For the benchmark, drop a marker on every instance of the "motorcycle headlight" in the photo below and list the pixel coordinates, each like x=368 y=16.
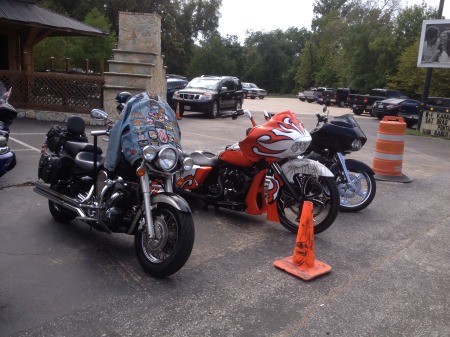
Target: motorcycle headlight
x=299 y=146
x=167 y=158
x=188 y=163
x=356 y=145
x=149 y=153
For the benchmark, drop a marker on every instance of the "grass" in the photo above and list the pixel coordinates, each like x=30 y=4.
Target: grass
x=414 y=132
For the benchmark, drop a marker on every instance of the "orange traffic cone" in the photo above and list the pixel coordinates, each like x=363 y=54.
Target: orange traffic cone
x=303 y=264
x=177 y=112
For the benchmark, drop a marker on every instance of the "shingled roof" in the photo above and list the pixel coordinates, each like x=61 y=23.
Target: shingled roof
x=27 y=12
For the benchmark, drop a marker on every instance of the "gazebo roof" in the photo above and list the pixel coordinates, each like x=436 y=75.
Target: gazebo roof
x=28 y=13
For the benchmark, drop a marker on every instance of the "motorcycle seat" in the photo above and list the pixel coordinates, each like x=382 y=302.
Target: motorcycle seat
x=203 y=158
x=73 y=148
x=84 y=162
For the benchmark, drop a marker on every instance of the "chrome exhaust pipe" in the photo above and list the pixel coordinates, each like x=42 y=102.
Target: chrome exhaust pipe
x=58 y=198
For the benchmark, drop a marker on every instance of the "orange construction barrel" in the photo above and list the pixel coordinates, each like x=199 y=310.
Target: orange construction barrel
x=390 y=143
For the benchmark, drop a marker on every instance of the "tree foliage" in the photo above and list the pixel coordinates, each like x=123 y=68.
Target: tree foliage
x=361 y=44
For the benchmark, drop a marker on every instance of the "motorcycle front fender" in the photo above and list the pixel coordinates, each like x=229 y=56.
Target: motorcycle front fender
x=356 y=165
x=173 y=200
x=305 y=166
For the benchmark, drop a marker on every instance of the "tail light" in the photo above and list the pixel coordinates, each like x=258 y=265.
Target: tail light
x=366 y=100
x=44 y=148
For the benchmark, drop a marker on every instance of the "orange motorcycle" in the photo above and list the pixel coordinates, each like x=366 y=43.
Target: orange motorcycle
x=264 y=173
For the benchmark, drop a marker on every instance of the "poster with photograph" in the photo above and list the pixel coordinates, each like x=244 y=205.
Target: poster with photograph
x=434 y=49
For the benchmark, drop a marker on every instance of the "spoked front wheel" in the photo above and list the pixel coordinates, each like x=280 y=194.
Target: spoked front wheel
x=324 y=195
x=167 y=253
x=358 y=193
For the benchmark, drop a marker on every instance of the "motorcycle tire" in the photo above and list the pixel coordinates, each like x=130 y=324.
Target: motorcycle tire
x=167 y=254
x=60 y=213
x=325 y=211
x=359 y=194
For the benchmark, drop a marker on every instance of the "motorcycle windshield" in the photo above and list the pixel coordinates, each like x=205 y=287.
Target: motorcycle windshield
x=283 y=136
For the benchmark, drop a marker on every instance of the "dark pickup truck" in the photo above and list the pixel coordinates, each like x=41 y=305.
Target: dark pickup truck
x=338 y=96
x=363 y=103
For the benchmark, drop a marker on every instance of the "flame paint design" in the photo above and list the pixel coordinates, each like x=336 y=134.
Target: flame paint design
x=279 y=143
x=272 y=190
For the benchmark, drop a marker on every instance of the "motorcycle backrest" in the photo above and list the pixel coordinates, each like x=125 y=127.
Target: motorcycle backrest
x=76 y=125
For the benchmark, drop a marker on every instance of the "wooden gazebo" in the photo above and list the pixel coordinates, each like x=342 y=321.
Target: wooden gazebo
x=22 y=25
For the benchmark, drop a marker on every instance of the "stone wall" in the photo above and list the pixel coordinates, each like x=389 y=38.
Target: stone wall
x=137 y=63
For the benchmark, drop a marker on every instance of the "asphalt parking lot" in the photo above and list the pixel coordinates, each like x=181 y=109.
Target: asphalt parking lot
x=390 y=262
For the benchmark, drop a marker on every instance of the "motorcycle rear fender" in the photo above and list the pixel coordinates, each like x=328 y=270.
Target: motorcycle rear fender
x=305 y=166
x=172 y=199
x=356 y=165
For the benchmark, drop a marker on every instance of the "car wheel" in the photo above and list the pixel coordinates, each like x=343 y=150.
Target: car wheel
x=214 y=112
x=341 y=104
x=357 y=112
x=261 y=97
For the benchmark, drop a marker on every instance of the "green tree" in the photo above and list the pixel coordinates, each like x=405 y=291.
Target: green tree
x=95 y=49
x=217 y=56
x=271 y=58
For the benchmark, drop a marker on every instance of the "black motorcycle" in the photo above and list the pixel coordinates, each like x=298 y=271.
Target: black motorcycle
x=136 y=199
x=7 y=114
x=333 y=140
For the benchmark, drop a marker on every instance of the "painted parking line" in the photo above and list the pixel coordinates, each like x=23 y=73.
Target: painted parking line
x=24 y=144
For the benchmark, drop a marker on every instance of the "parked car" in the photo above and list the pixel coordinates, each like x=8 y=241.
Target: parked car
x=338 y=97
x=314 y=94
x=310 y=95
x=252 y=90
x=319 y=94
x=301 y=96
x=407 y=108
x=210 y=94
x=361 y=103
x=174 y=84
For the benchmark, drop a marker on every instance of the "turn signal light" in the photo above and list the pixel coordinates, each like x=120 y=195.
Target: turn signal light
x=180 y=182
x=140 y=171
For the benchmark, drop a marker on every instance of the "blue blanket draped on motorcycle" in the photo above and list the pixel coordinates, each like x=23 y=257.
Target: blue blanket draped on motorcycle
x=145 y=120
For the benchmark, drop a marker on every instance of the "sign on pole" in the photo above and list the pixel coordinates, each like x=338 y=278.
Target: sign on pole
x=434 y=50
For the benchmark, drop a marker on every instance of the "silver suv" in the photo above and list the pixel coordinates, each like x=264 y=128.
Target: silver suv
x=210 y=94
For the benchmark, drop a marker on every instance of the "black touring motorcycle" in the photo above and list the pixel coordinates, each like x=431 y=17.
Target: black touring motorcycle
x=137 y=200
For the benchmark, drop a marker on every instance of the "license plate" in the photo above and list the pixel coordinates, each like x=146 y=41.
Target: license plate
x=354 y=105
x=187 y=107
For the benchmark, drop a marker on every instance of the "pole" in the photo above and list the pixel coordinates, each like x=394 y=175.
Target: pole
x=426 y=87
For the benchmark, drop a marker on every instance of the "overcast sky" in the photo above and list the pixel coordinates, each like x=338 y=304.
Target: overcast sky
x=241 y=15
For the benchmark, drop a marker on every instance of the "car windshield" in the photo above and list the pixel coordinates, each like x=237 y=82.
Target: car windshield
x=203 y=83
x=394 y=100
x=253 y=85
